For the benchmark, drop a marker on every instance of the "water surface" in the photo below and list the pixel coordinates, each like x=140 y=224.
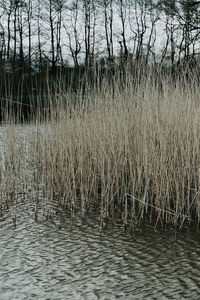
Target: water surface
x=71 y=259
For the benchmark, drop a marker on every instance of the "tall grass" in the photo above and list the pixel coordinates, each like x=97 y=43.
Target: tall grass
x=133 y=154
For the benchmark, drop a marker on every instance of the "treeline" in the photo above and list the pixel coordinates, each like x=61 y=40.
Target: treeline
x=82 y=41
x=35 y=34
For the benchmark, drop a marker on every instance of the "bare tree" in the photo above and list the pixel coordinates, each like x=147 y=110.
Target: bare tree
x=138 y=25
x=2 y=36
x=89 y=20
x=73 y=34
x=152 y=37
x=59 y=7
x=52 y=30
x=9 y=9
x=186 y=13
x=29 y=11
x=122 y=6
x=106 y=6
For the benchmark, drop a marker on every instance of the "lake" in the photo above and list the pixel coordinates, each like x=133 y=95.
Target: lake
x=66 y=258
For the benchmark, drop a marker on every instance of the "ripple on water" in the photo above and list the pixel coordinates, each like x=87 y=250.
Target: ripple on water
x=38 y=261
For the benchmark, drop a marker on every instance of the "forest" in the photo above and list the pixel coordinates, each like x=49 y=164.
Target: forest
x=36 y=34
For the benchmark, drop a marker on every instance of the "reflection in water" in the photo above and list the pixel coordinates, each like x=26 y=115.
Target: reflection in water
x=69 y=259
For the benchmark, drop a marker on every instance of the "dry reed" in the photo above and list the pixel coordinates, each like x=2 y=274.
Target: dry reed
x=133 y=155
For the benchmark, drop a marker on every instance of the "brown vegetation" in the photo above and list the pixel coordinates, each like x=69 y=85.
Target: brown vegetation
x=134 y=155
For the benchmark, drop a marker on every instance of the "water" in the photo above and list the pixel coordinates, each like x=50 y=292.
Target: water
x=70 y=259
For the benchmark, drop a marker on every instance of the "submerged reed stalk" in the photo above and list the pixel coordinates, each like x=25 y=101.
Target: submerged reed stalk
x=133 y=155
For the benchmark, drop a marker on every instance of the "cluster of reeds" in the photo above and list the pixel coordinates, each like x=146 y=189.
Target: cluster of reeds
x=133 y=153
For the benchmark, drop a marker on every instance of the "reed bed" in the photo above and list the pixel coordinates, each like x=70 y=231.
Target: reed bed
x=133 y=154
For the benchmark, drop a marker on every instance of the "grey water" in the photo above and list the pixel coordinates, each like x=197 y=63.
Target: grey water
x=66 y=258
